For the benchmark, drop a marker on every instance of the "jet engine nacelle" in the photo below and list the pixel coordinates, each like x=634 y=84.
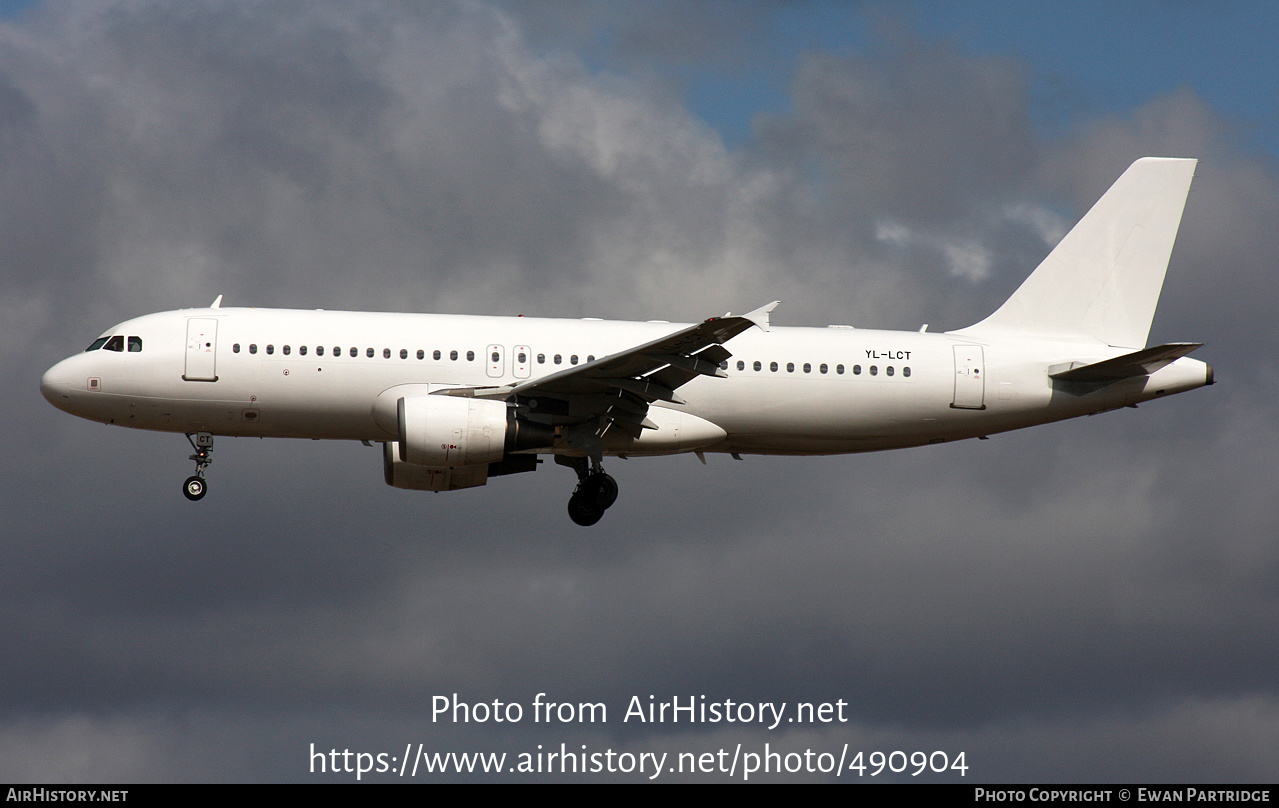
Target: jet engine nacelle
x=428 y=478
x=450 y=431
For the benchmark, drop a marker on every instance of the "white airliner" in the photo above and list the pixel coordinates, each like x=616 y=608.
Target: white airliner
x=455 y=400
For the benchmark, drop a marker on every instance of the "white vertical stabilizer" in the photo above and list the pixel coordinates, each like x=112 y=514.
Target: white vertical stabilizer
x=1102 y=281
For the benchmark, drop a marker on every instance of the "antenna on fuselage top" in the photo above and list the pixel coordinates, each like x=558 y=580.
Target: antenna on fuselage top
x=217 y=302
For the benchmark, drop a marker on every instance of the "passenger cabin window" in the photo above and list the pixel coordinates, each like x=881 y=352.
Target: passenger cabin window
x=356 y=351
x=253 y=347
x=319 y=350
x=470 y=356
x=302 y=350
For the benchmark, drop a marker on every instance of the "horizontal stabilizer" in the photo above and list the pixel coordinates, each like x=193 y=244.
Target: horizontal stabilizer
x=1137 y=363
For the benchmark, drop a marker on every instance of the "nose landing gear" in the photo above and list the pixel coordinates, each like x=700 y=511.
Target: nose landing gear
x=195 y=487
x=595 y=493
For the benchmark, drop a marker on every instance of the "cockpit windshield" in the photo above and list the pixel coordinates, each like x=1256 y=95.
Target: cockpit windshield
x=115 y=343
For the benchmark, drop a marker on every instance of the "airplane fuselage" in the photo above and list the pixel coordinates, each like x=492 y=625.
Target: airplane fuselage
x=796 y=391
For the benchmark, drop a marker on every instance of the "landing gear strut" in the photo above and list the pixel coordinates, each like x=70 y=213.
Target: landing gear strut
x=195 y=487
x=595 y=493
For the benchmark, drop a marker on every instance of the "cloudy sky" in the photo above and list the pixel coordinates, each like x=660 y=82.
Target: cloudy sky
x=1096 y=600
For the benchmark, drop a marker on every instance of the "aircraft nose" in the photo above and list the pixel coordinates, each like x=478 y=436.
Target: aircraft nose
x=55 y=385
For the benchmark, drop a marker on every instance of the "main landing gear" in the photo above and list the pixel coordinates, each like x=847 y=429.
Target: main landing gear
x=195 y=487
x=595 y=493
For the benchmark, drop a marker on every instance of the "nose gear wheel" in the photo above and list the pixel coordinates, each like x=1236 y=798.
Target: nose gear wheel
x=194 y=487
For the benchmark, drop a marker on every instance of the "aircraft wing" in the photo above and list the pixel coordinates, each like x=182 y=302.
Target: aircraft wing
x=618 y=388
